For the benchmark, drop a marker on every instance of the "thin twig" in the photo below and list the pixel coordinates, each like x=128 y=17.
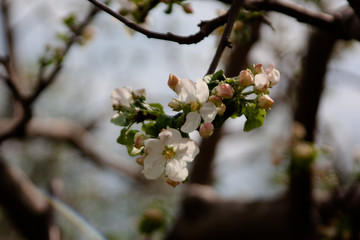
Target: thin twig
x=206 y=27
x=224 y=41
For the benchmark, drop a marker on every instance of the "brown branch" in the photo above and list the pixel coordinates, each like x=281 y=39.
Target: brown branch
x=335 y=24
x=22 y=202
x=63 y=129
x=224 y=41
x=206 y=27
x=355 y=5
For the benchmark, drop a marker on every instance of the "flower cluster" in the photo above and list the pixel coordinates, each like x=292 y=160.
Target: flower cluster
x=163 y=143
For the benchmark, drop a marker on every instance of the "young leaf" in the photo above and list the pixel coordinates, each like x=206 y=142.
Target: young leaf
x=254 y=117
x=124 y=119
x=127 y=138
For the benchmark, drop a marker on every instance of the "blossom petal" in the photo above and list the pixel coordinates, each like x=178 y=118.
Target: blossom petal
x=202 y=91
x=153 y=146
x=192 y=122
x=187 y=90
x=154 y=165
x=186 y=150
x=208 y=111
x=176 y=170
x=170 y=136
x=261 y=81
x=122 y=96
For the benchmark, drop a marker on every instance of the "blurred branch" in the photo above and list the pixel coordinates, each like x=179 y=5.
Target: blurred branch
x=63 y=129
x=341 y=24
x=26 y=207
x=225 y=41
x=206 y=27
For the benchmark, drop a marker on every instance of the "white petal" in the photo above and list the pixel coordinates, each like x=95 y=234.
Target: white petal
x=153 y=146
x=192 y=122
x=208 y=112
x=176 y=170
x=261 y=81
x=122 y=96
x=187 y=91
x=186 y=150
x=170 y=136
x=202 y=91
x=154 y=166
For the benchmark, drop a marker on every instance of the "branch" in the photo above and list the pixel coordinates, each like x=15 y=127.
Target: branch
x=341 y=24
x=206 y=27
x=63 y=129
x=224 y=41
x=25 y=206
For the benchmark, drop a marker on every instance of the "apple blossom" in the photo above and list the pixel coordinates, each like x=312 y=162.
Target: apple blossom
x=123 y=97
x=246 y=78
x=173 y=81
x=223 y=90
x=196 y=95
x=170 y=154
x=261 y=82
x=265 y=102
x=206 y=129
x=274 y=75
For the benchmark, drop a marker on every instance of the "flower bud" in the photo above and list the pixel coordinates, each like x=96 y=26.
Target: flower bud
x=246 y=78
x=173 y=81
x=274 y=75
x=223 y=90
x=265 y=102
x=139 y=140
x=206 y=129
x=187 y=8
x=261 y=82
x=221 y=109
x=140 y=93
x=175 y=105
x=258 y=68
x=216 y=100
x=140 y=160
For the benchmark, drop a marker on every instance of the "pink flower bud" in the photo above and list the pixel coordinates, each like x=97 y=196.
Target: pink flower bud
x=221 y=109
x=258 y=68
x=265 y=102
x=224 y=91
x=216 y=100
x=274 y=75
x=139 y=139
x=173 y=81
x=246 y=78
x=206 y=129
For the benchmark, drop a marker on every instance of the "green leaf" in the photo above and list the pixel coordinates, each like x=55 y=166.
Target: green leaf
x=157 y=106
x=219 y=75
x=150 y=129
x=124 y=119
x=127 y=138
x=163 y=121
x=254 y=117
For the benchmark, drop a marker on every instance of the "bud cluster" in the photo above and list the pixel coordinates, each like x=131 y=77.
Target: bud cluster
x=163 y=144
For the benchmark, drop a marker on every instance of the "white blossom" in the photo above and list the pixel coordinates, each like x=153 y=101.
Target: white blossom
x=170 y=154
x=196 y=95
x=123 y=97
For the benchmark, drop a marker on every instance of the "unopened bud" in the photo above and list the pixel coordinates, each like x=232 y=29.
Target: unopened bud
x=140 y=160
x=221 y=109
x=274 y=75
x=258 y=68
x=265 y=102
x=175 y=105
x=246 y=78
x=139 y=140
x=187 y=8
x=206 y=129
x=173 y=81
x=216 y=100
x=224 y=90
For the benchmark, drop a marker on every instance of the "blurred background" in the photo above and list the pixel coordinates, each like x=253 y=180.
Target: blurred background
x=246 y=165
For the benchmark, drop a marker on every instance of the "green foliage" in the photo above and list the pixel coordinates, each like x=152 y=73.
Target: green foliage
x=254 y=116
x=123 y=119
x=127 y=138
x=153 y=219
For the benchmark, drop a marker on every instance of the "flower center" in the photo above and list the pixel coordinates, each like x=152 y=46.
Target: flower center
x=169 y=153
x=194 y=105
